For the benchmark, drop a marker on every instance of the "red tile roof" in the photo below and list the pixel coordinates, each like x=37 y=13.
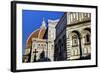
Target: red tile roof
x=39 y=33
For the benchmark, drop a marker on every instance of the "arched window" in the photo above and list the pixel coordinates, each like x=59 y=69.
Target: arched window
x=74 y=40
x=87 y=39
x=87 y=36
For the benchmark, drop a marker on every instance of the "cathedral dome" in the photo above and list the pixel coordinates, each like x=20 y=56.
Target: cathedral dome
x=39 y=33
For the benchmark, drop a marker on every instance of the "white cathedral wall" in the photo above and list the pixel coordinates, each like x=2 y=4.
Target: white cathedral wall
x=40 y=45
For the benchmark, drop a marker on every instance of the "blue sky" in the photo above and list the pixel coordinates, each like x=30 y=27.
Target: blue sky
x=31 y=20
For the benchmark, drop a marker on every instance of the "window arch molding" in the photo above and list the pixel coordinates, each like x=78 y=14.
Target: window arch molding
x=86 y=35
